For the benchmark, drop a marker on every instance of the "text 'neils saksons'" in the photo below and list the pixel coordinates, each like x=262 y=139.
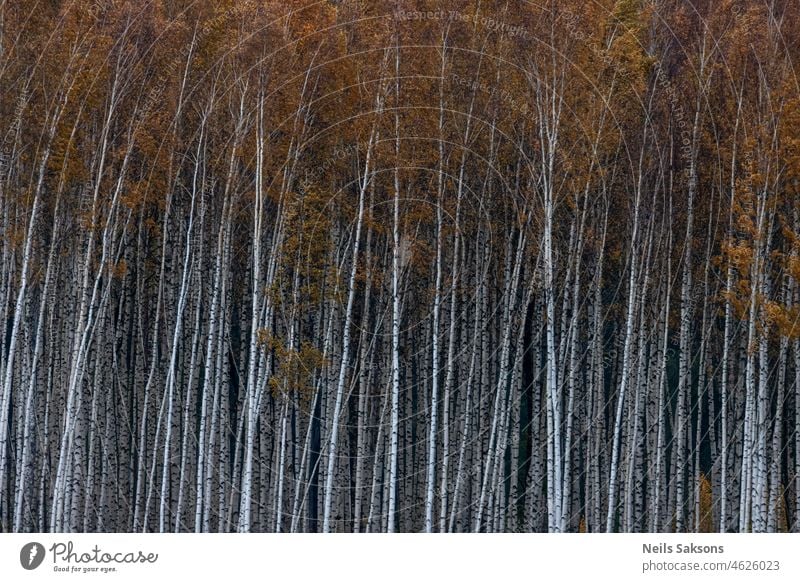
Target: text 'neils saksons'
x=664 y=548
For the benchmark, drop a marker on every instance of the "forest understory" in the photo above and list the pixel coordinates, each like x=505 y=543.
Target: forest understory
x=399 y=266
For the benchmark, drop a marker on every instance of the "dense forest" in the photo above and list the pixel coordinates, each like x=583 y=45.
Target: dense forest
x=399 y=266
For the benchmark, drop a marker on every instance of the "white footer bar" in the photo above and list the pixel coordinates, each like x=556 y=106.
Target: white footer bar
x=406 y=557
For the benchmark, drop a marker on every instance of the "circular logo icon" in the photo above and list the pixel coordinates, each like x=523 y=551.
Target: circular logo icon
x=31 y=555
